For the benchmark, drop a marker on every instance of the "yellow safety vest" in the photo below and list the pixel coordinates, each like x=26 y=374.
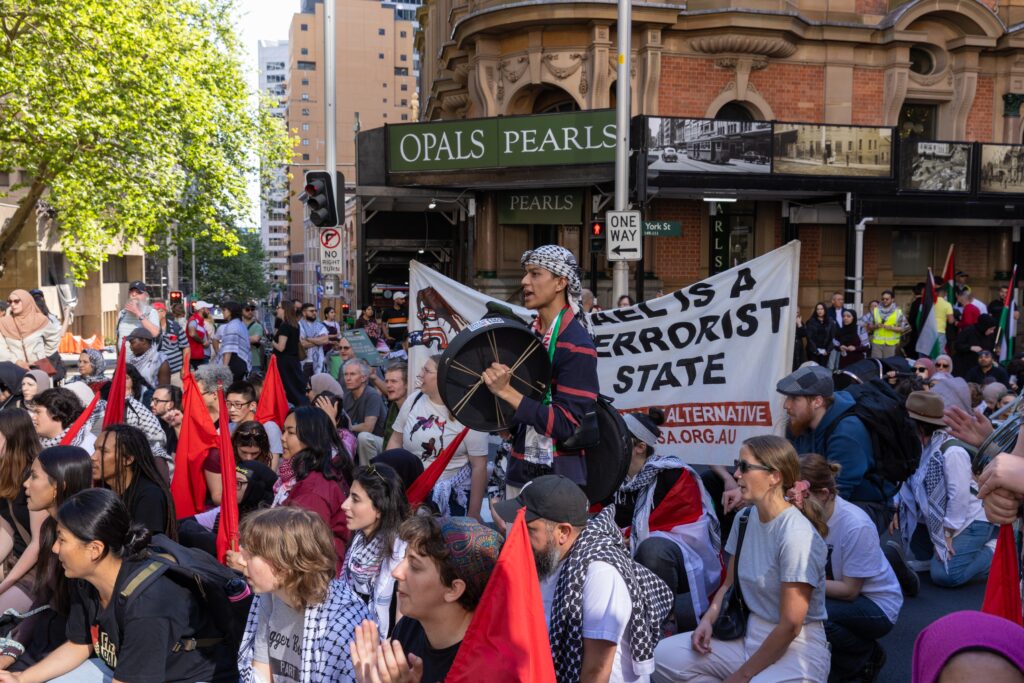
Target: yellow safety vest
x=886 y=337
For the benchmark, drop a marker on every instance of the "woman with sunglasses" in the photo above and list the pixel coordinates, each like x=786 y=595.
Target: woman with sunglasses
x=376 y=506
x=781 y=573
x=26 y=333
x=251 y=442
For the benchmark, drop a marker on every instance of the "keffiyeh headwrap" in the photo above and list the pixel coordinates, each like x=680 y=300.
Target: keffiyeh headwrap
x=562 y=263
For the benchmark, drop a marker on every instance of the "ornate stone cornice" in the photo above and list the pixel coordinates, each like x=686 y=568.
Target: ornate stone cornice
x=743 y=44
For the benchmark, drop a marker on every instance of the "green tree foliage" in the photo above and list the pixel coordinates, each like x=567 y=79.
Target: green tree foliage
x=130 y=118
x=225 y=276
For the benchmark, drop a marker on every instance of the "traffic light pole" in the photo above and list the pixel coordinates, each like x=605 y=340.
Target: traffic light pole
x=330 y=111
x=620 y=271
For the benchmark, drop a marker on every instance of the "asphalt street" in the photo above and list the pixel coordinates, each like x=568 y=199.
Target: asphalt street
x=684 y=164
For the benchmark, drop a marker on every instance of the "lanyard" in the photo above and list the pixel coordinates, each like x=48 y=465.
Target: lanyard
x=552 y=342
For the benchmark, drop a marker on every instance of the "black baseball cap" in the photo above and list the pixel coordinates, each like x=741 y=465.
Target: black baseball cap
x=137 y=285
x=551 y=497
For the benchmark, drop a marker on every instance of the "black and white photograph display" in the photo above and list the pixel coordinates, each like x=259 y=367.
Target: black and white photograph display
x=936 y=166
x=678 y=145
x=1002 y=168
x=823 y=150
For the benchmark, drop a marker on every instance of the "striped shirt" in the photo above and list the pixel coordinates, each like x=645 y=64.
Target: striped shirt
x=172 y=344
x=234 y=339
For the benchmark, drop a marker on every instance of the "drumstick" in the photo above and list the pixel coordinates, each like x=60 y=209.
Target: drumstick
x=469 y=371
x=457 y=408
x=494 y=346
x=497 y=411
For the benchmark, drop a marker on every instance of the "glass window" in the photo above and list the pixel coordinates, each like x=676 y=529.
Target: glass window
x=305 y=81
x=404 y=87
x=305 y=126
x=921 y=61
x=115 y=269
x=402 y=34
x=401 y=71
x=385 y=100
x=380 y=55
x=305 y=142
x=307 y=66
x=403 y=58
x=305 y=157
x=406 y=102
x=405 y=117
x=918 y=121
x=305 y=97
x=380 y=32
x=303 y=27
x=911 y=252
x=52 y=267
x=305 y=112
x=304 y=51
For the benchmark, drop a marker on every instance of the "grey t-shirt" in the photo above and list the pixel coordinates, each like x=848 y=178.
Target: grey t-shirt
x=370 y=404
x=785 y=550
x=279 y=639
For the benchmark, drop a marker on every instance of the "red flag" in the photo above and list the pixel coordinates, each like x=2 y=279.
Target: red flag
x=507 y=640
x=227 y=529
x=273 y=405
x=424 y=484
x=198 y=436
x=78 y=424
x=681 y=505
x=1002 y=592
x=116 y=398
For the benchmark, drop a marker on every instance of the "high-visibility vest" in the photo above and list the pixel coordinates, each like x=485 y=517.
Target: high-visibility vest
x=886 y=337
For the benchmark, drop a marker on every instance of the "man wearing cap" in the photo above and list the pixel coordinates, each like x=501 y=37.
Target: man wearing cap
x=986 y=369
x=940 y=523
x=551 y=286
x=821 y=421
x=137 y=312
x=198 y=338
x=256 y=332
x=147 y=359
x=395 y=320
x=604 y=610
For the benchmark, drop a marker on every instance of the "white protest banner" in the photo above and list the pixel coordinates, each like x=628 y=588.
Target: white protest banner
x=708 y=355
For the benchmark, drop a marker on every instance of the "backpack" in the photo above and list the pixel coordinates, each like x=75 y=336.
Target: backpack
x=894 y=442
x=221 y=592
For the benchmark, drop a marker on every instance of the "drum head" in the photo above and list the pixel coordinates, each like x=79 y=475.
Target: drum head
x=608 y=461
x=491 y=340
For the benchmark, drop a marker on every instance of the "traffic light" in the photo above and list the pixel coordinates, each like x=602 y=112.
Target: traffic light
x=597 y=236
x=175 y=297
x=321 y=199
x=344 y=310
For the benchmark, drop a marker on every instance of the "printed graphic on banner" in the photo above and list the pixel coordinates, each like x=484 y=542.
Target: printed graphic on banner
x=708 y=355
x=331 y=261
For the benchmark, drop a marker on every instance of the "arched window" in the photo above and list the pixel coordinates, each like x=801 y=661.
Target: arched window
x=734 y=111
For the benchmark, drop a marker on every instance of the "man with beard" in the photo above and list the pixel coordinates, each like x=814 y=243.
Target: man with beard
x=887 y=327
x=137 y=312
x=166 y=406
x=604 y=610
x=313 y=335
x=821 y=421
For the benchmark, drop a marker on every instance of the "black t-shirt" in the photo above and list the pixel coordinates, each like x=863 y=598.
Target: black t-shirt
x=397 y=320
x=171 y=436
x=436 y=663
x=139 y=647
x=147 y=504
x=20 y=507
x=625 y=503
x=291 y=346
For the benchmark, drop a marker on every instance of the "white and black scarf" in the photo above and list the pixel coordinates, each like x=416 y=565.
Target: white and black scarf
x=363 y=561
x=601 y=541
x=148 y=364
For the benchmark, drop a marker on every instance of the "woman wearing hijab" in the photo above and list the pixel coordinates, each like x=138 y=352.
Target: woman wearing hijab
x=852 y=347
x=92 y=368
x=27 y=334
x=969 y=646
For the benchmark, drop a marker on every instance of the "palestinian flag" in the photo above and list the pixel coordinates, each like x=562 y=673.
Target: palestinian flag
x=928 y=341
x=1007 y=325
x=949 y=275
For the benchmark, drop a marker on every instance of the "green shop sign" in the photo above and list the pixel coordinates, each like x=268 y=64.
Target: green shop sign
x=663 y=228
x=551 y=207
x=585 y=137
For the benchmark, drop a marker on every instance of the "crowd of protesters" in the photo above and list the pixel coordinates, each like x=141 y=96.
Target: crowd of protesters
x=791 y=565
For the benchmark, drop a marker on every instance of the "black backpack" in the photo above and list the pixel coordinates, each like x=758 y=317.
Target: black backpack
x=212 y=583
x=894 y=441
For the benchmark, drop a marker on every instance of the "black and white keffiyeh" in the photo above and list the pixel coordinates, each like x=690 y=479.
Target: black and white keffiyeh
x=363 y=561
x=562 y=263
x=601 y=541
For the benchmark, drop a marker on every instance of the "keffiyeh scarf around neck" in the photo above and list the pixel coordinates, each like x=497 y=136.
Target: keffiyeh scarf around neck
x=562 y=263
x=148 y=364
x=363 y=561
x=601 y=541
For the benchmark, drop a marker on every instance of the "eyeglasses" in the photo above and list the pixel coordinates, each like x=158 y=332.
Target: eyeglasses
x=160 y=400
x=237 y=405
x=344 y=348
x=743 y=467
x=942 y=365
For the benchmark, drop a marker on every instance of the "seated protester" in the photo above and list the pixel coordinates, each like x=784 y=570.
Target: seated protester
x=53 y=412
x=941 y=522
x=819 y=423
x=138 y=415
x=56 y=474
x=136 y=639
x=302 y=617
x=208 y=377
x=376 y=506
x=316 y=471
x=10 y=385
x=992 y=395
x=20 y=527
x=321 y=382
x=241 y=399
x=145 y=356
x=396 y=386
x=251 y=443
x=407 y=465
x=92 y=368
x=969 y=646
x=331 y=404
x=970 y=342
x=440 y=581
x=604 y=610
x=165 y=405
x=362 y=402
x=781 y=571
x=987 y=370
x=682 y=549
x=862 y=596
x=34 y=382
x=423 y=427
x=124 y=462
x=551 y=286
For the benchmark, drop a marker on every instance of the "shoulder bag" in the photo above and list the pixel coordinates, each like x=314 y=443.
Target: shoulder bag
x=732 y=620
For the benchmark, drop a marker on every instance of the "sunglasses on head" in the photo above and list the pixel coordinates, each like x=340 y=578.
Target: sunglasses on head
x=743 y=467
x=372 y=470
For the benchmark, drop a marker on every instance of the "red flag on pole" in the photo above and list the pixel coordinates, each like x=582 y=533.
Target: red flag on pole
x=273 y=405
x=424 y=484
x=1002 y=592
x=80 y=423
x=114 y=413
x=227 y=529
x=507 y=640
x=198 y=436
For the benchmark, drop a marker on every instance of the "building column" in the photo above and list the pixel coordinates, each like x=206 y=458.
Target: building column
x=1011 y=117
x=486 y=236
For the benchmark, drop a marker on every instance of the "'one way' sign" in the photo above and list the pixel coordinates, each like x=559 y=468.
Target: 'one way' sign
x=625 y=239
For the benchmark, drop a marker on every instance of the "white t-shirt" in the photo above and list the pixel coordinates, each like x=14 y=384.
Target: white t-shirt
x=606 y=611
x=853 y=543
x=426 y=430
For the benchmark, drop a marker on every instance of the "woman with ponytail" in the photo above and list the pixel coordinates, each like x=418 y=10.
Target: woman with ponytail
x=140 y=638
x=862 y=596
x=781 y=572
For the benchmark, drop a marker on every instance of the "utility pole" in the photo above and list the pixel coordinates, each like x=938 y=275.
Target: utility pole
x=330 y=113
x=620 y=270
